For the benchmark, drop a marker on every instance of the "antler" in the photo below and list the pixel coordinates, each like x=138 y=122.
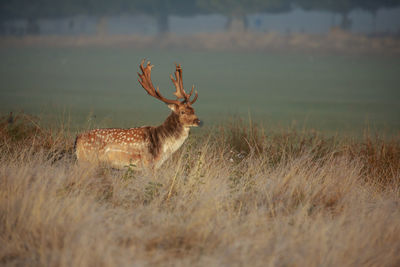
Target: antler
x=145 y=80
x=180 y=92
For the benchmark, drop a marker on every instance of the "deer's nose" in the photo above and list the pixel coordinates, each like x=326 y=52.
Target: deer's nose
x=198 y=122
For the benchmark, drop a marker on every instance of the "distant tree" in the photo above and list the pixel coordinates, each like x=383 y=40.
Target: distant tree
x=342 y=7
x=102 y=9
x=162 y=9
x=237 y=10
x=23 y=9
x=372 y=6
x=32 y=10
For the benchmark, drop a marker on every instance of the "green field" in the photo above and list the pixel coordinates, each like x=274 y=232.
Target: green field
x=331 y=93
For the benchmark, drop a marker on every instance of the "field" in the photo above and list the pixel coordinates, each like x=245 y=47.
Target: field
x=236 y=196
x=343 y=93
x=298 y=165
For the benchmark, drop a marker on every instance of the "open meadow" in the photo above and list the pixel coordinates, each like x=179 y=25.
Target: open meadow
x=232 y=197
x=306 y=173
x=332 y=93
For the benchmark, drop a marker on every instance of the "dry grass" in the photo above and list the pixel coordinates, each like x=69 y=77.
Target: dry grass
x=231 y=199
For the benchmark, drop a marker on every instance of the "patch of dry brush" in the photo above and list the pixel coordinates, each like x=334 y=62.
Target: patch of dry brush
x=237 y=198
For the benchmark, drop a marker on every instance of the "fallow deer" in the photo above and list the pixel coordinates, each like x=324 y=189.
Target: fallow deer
x=147 y=146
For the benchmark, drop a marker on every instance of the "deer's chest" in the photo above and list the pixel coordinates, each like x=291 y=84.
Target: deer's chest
x=170 y=145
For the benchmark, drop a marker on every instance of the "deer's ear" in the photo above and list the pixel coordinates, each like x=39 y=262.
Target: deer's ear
x=173 y=107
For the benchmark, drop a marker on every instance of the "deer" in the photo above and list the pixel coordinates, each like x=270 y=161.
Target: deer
x=146 y=147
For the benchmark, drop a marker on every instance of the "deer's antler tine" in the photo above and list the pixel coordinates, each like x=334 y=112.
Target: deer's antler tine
x=191 y=92
x=194 y=99
x=177 y=93
x=179 y=70
x=158 y=92
x=178 y=82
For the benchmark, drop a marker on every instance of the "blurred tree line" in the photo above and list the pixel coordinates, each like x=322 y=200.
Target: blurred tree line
x=236 y=11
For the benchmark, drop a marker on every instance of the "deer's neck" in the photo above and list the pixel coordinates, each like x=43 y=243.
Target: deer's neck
x=172 y=127
x=168 y=137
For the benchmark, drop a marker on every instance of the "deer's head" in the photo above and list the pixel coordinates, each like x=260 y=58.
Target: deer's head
x=182 y=106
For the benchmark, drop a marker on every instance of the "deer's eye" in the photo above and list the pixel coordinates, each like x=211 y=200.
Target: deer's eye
x=182 y=112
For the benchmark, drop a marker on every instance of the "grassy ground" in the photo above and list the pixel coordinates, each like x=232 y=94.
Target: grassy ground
x=235 y=196
x=313 y=90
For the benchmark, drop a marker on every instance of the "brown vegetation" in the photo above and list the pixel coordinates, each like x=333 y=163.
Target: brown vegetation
x=236 y=196
x=335 y=41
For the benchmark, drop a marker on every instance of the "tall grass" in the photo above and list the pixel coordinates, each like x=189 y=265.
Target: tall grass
x=236 y=196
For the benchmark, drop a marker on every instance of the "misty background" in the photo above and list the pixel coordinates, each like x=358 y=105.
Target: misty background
x=19 y=17
x=329 y=65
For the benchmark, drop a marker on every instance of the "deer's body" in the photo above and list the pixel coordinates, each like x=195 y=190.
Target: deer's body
x=142 y=147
